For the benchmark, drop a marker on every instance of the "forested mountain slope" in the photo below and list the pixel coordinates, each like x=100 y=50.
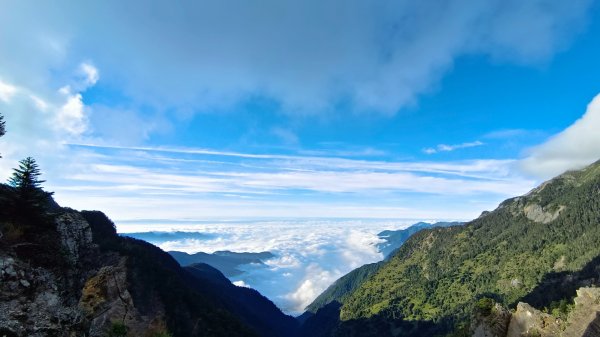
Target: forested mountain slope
x=432 y=283
x=395 y=238
x=346 y=284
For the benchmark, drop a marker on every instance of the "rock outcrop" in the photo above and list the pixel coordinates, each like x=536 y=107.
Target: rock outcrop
x=583 y=320
x=31 y=303
x=82 y=292
x=75 y=235
x=492 y=325
x=105 y=299
x=528 y=321
x=537 y=213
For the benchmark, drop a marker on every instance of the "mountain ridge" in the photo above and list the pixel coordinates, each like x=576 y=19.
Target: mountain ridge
x=432 y=282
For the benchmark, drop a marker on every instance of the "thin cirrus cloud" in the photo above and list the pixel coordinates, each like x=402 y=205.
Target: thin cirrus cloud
x=449 y=148
x=308 y=56
x=192 y=183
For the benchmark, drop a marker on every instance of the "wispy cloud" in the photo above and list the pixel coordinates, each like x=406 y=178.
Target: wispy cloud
x=132 y=182
x=90 y=73
x=449 y=148
x=7 y=91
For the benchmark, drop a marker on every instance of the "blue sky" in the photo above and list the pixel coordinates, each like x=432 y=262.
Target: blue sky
x=214 y=110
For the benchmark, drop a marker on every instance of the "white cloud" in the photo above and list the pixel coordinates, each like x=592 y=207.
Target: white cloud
x=40 y=103
x=39 y=123
x=449 y=148
x=71 y=116
x=7 y=91
x=241 y=283
x=575 y=147
x=467 y=168
x=90 y=72
x=311 y=173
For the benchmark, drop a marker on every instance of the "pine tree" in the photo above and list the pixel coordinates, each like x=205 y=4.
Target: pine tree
x=26 y=177
x=27 y=185
x=2 y=126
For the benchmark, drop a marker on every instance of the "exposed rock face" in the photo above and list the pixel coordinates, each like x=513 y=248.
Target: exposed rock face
x=82 y=299
x=537 y=213
x=75 y=234
x=31 y=303
x=582 y=321
x=493 y=325
x=105 y=299
x=528 y=321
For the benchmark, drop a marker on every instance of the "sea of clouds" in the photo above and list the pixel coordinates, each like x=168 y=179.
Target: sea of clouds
x=309 y=254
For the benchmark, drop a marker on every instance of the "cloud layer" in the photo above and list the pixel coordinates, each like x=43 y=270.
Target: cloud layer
x=309 y=56
x=310 y=254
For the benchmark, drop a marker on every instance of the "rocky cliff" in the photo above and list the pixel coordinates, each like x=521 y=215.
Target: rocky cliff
x=84 y=293
x=68 y=273
x=582 y=320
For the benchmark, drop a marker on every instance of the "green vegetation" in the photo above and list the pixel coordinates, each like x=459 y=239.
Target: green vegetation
x=484 y=306
x=2 y=127
x=560 y=309
x=26 y=177
x=343 y=287
x=441 y=275
x=161 y=334
x=30 y=198
x=117 y=329
x=26 y=219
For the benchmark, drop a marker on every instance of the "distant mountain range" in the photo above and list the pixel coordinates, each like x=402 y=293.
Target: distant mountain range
x=225 y=261
x=395 y=238
x=160 y=237
x=229 y=263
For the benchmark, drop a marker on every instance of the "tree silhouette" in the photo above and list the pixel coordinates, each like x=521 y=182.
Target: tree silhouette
x=26 y=177
x=27 y=187
x=2 y=127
